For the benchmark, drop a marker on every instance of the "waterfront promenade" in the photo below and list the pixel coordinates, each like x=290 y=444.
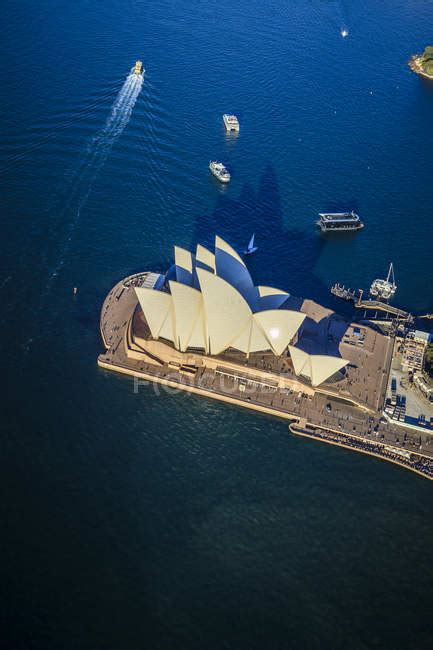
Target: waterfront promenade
x=416 y=462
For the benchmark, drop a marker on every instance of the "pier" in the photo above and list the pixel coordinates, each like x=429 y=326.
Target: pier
x=340 y=291
x=377 y=305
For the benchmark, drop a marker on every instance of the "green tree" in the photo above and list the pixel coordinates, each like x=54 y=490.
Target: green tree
x=428 y=360
x=427 y=59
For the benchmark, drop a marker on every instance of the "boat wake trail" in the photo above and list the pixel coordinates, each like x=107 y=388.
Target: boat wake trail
x=83 y=179
x=94 y=159
x=119 y=117
x=337 y=15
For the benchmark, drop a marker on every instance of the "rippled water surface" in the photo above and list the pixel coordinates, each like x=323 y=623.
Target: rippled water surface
x=168 y=521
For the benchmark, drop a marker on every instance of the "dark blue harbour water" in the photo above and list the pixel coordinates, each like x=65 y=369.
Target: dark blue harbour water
x=145 y=521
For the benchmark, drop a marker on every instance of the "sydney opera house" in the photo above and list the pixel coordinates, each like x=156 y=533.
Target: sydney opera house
x=208 y=304
x=206 y=318
x=205 y=327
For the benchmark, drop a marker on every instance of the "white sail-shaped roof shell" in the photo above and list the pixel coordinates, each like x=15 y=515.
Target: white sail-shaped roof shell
x=323 y=367
x=251 y=339
x=301 y=361
x=198 y=338
x=183 y=258
x=258 y=340
x=227 y=313
x=204 y=256
x=156 y=306
x=168 y=330
x=242 y=341
x=188 y=316
x=183 y=263
x=315 y=367
x=279 y=326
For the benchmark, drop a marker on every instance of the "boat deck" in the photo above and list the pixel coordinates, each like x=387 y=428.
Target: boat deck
x=231 y=122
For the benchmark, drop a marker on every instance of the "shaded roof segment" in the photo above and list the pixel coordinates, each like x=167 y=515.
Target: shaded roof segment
x=230 y=267
x=227 y=313
x=263 y=298
x=271 y=298
x=315 y=367
x=222 y=245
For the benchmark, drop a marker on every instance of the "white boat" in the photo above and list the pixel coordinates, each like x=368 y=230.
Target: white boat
x=384 y=289
x=219 y=171
x=231 y=122
x=138 y=68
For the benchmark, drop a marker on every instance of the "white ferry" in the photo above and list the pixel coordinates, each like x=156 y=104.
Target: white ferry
x=219 y=171
x=231 y=122
x=339 y=221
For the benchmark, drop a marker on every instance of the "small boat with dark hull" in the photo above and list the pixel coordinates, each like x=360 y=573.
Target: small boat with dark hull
x=219 y=171
x=339 y=221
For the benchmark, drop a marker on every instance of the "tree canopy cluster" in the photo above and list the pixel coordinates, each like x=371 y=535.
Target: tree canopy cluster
x=426 y=60
x=428 y=358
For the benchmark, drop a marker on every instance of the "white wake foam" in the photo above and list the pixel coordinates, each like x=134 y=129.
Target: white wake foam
x=121 y=112
x=92 y=163
x=97 y=153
